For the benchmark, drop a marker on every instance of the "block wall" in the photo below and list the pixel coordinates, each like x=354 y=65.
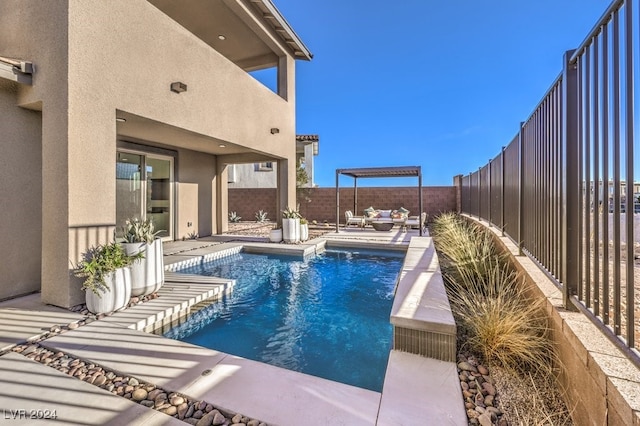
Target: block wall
x=320 y=203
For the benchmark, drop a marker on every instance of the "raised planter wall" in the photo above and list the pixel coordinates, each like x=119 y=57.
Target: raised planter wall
x=602 y=385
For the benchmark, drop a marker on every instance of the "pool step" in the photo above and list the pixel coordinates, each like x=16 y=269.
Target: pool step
x=178 y=294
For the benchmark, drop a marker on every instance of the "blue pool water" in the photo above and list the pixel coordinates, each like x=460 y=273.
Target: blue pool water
x=327 y=316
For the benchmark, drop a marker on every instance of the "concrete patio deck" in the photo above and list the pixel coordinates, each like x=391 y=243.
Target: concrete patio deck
x=416 y=391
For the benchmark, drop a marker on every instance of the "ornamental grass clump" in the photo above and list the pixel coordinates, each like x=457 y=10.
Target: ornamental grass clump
x=468 y=249
x=489 y=300
x=500 y=322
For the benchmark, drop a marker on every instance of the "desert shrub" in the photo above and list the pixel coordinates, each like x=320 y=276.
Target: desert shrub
x=488 y=299
x=468 y=248
x=500 y=322
x=261 y=216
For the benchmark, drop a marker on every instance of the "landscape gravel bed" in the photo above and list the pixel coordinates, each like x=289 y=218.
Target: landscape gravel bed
x=194 y=412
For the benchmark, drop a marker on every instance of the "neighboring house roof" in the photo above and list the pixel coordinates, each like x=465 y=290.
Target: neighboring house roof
x=302 y=140
x=307 y=138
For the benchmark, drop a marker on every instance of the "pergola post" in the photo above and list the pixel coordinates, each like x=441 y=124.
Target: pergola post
x=420 y=201
x=355 y=196
x=338 y=200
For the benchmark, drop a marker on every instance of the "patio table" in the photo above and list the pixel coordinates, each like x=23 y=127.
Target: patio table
x=382 y=225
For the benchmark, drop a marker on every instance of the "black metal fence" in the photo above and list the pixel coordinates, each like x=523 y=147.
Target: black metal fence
x=564 y=189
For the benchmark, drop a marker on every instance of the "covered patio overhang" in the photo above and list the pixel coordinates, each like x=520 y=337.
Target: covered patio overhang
x=376 y=172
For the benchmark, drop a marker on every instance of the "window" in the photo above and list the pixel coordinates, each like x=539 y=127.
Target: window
x=231 y=173
x=264 y=167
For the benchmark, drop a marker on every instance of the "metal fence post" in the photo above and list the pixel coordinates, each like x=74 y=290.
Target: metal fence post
x=521 y=188
x=480 y=194
x=570 y=182
x=502 y=195
x=629 y=141
x=489 y=197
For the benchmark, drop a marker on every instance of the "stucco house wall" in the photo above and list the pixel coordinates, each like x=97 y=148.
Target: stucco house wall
x=98 y=60
x=21 y=193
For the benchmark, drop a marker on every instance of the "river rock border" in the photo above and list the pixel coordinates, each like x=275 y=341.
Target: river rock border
x=199 y=413
x=194 y=412
x=479 y=392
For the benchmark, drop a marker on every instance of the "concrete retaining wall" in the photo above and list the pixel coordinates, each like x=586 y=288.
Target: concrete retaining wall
x=602 y=385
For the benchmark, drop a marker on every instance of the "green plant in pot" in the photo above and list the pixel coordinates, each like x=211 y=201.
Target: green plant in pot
x=137 y=231
x=147 y=274
x=107 y=277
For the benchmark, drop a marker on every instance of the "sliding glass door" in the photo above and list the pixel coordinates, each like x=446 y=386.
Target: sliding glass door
x=144 y=189
x=159 y=193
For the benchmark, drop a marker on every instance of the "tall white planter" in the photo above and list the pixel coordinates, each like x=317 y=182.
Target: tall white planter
x=291 y=230
x=115 y=297
x=304 y=231
x=147 y=275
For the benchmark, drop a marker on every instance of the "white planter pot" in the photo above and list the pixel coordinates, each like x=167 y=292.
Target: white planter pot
x=131 y=249
x=291 y=230
x=275 y=235
x=115 y=297
x=147 y=275
x=304 y=231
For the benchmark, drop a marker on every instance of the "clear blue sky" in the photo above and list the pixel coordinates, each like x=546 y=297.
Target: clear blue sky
x=439 y=84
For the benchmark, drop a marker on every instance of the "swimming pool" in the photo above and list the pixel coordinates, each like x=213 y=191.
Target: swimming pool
x=327 y=316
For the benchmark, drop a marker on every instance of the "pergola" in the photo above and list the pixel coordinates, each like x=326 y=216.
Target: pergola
x=376 y=172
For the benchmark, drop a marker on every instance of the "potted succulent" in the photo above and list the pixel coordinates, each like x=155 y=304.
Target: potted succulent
x=304 y=229
x=147 y=273
x=290 y=225
x=107 y=277
x=275 y=234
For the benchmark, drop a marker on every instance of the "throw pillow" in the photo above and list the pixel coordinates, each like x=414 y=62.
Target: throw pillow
x=370 y=212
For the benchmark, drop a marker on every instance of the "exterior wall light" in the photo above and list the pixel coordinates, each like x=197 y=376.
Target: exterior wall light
x=121 y=119
x=275 y=130
x=178 y=87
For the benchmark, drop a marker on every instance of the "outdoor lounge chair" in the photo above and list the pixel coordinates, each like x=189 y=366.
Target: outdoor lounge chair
x=417 y=222
x=353 y=220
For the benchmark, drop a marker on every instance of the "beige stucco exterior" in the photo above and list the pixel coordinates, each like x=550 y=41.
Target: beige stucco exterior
x=98 y=60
